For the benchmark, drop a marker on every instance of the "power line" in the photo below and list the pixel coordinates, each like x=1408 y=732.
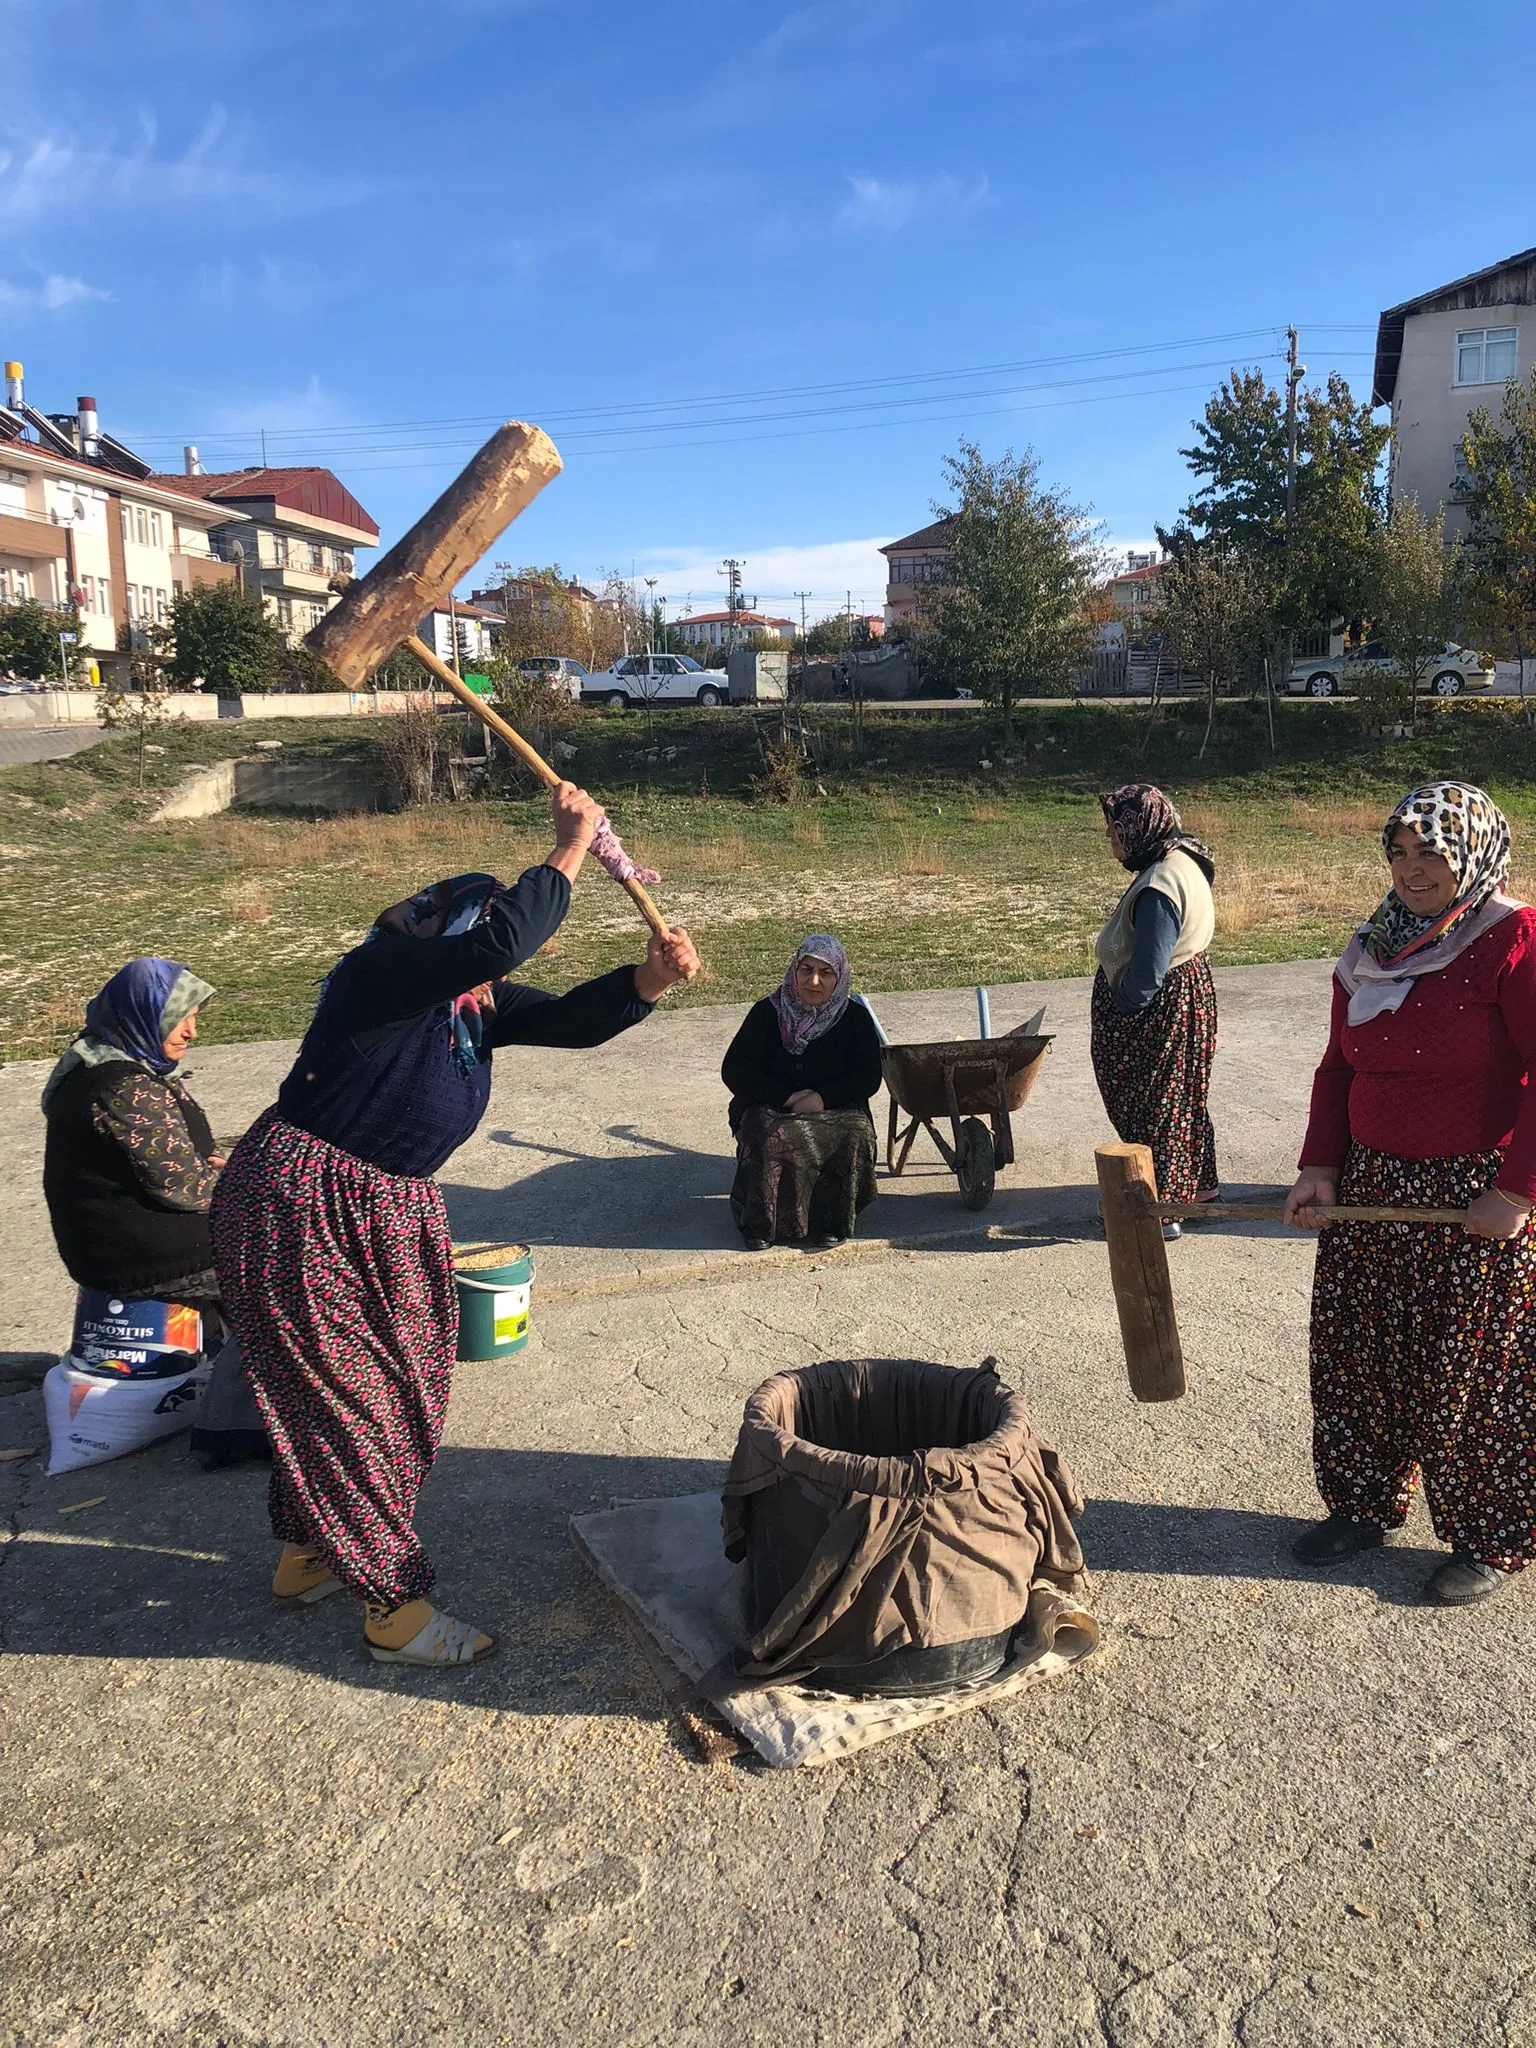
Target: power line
x=628 y=410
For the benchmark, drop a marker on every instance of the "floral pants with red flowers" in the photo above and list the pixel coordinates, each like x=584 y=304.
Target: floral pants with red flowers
x=1424 y=1361
x=338 y=1281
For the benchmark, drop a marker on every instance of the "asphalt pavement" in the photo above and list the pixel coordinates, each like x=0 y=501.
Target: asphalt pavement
x=1279 y=1809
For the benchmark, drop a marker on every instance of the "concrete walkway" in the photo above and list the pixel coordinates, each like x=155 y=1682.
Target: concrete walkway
x=19 y=745
x=1280 y=1810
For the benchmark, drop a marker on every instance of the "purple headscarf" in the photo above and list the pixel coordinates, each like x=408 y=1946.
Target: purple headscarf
x=131 y=1018
x=799 y=1023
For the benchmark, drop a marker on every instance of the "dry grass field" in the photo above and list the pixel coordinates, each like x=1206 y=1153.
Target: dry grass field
x=934 y=872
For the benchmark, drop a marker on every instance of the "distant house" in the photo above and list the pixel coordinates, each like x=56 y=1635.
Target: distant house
x=714 y=629
x=467 y=633
x=914 y=564
x=527 y=596
x=1134 y=591
x=1440 y=356
x=289 y=531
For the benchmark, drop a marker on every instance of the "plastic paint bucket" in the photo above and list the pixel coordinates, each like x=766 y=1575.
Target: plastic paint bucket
x=494 y=1283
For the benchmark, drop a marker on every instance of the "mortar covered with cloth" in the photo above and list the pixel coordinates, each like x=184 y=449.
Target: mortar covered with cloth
x=331 y=1235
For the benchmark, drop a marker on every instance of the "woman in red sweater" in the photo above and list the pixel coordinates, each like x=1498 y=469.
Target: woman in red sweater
x=1424 y=1335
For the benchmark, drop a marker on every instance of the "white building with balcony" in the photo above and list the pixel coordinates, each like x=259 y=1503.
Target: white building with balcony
x=84 y=521
x=288 y=531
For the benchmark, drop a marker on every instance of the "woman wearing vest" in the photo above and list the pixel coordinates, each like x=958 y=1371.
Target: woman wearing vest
x=331 y=1235
x=129 y=1167
x=1424 y=1336
x=1154 y=1002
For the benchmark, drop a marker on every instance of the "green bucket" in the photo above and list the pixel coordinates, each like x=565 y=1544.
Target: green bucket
x=495 y=1287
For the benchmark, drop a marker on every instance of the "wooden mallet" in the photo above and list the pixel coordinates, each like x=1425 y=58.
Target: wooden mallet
x=1138 y=1258
x=381 y=611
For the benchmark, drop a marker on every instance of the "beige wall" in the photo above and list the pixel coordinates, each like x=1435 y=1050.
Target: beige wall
x=1430 y=409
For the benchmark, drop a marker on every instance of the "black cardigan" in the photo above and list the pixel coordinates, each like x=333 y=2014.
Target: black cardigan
x=843 y=1065
x=110 y=1231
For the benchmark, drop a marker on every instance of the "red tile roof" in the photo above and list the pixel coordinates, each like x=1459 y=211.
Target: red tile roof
x=315 y=492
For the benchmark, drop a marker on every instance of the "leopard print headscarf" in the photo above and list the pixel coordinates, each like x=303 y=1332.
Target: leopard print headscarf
x=1467 y=829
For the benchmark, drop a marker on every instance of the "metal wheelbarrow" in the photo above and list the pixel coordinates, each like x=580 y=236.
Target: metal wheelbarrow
x=964 y=1080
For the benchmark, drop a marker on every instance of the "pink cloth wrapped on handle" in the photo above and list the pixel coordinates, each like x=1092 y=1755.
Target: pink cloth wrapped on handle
x=607 y=851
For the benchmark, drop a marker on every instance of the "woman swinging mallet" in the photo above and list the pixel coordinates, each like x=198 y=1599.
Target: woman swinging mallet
x=331 y=1236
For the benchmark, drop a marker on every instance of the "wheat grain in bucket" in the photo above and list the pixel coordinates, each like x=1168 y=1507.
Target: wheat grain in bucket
x=331 y=1234
x=1154 y=1002
x=1423 y=1340
x=801 y=1071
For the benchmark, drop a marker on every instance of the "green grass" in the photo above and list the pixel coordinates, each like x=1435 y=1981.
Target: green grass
x=934 y=870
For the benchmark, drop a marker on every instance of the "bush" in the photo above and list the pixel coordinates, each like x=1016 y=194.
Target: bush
x=29 y=640
x=413 y=753
x=220 y=640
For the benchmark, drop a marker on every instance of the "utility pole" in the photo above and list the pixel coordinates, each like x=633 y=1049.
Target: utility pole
x=802 y=595
x=1295 y=371
x=731 y=567
x=650 y=614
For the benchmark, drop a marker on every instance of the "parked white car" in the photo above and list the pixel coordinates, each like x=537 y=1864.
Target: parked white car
x=655 y=679
x=563 y=675
x=1329 y=675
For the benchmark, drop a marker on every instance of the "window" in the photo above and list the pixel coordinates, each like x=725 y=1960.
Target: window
x=285 y=613
x=160 y=603
x=1485 y=355
x=280 y=549
x=127 y=524
x=155 y=529
x=316 y=555
x=140 y=526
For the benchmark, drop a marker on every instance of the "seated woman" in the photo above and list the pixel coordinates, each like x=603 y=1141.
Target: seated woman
x=801 y=1071
x=129 y=1167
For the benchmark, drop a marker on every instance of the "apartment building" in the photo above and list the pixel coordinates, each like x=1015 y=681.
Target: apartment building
x=723 y=629
x=83 y=520
x=1442 y=355
x=286 y=531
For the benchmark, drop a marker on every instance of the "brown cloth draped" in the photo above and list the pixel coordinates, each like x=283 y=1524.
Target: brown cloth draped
x=950 y=1518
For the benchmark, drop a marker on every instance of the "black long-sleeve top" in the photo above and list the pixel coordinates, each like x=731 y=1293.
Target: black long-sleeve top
x=843 y=1065
x=378 y=1074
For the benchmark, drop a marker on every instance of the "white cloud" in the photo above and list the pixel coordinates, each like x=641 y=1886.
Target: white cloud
x=827 y=570
x=46 y=177
x=51 y=296
x=884 y=204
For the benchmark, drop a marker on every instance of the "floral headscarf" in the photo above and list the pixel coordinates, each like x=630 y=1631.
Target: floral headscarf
x=1470 y=833
x=799 y=1022
x=132 y=1016
x=1148 y=827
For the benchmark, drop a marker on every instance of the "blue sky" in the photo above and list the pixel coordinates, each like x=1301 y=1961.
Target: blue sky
x=756 y=267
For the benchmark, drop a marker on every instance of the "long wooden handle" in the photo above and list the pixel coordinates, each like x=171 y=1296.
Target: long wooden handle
x=1274 y=1212
x=530 y=756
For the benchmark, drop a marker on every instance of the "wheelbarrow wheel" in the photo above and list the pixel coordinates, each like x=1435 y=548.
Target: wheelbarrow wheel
x=975 y=1164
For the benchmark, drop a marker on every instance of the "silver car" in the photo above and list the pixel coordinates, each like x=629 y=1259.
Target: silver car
x=1453 y=670
x=562 y=675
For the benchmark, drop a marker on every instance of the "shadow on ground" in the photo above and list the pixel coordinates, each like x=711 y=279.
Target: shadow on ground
x=175 y=1563
x=668 y=1198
